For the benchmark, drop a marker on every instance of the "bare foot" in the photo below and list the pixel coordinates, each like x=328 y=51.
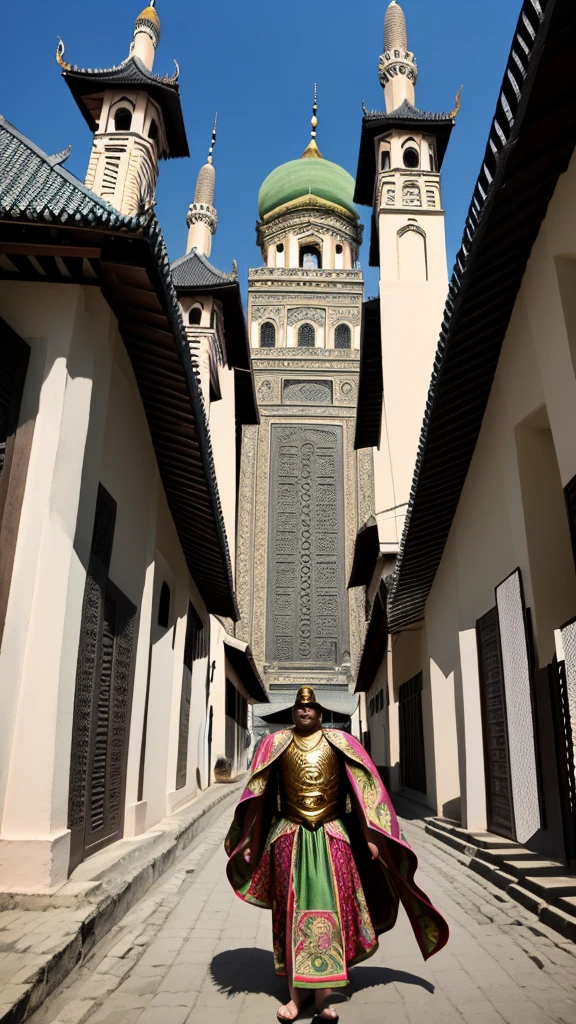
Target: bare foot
x=288 y=1012
x=324 y=1012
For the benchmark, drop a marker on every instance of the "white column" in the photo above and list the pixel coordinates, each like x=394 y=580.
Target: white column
x=474 y=784
x=40 y=648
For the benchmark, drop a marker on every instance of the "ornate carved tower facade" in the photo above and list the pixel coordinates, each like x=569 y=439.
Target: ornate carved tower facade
x=303 y=488
x=135 y=116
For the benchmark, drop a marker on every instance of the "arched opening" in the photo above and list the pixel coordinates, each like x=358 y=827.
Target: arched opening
x=412 y=255
x=411 y=158
x=153 y=130
x=385 y=160
x=123 y=119
x=195 y=316
x=306 y=336
x=310 y=257
x=267 y=335
x=280 y=247
x=342 y=336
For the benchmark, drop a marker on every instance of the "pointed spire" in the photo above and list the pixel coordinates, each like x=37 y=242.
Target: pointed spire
x=202 y=218
x=146 y=35
x=395 y=34
x=397 y=67
x=312 y=147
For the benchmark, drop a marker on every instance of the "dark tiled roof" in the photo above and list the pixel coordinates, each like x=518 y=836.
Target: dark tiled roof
x=194 y=270
x=87 y=86
x=34 y=187
x=243 y=663
x=509 y=203
x=370 y=382
x=366 y=551
x=405 y=112
x=130 y=256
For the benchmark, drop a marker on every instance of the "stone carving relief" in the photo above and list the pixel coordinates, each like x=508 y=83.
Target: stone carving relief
x=350 y=314
x=267 y=313
x=317 y=316
x=411 y=195
x=307 y=392
x=266 y=391
x=306 y=615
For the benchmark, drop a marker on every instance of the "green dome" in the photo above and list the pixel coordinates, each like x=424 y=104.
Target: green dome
x=299 y=178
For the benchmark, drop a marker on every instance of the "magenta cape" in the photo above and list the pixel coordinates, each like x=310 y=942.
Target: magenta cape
x=385 y=881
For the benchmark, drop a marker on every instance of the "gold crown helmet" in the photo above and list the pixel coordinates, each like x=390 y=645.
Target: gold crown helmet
x=306 y=695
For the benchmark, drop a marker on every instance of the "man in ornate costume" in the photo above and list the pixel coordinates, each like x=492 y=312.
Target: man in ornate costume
x=316 y=840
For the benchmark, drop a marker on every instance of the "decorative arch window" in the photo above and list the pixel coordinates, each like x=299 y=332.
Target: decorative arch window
x=123 y=119
x=342 y=336
x=411 y=157
x=153 y=130
x=310 y=257
x=195 y=316
x=267 y=335
x=306 y=336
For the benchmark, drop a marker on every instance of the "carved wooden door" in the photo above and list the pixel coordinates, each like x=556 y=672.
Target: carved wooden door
x=103 y=700
x=411 y=727
x=500 y=807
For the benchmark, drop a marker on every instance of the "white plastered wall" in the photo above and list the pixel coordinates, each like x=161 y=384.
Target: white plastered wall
x=534 y=386
x=90 y=428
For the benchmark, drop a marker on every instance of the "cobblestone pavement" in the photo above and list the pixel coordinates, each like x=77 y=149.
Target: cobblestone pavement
x=190 y=951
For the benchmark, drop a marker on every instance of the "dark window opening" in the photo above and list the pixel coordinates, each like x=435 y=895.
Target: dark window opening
x=310 y=257
x=267 y=335
x=411 y=158
x=280 y=247
x=123 y=120
x=164 y=606
x=385 y=160
x=339 y=249
x=342 y=336
x=306 y=336
x=153 y=130
x=195 y=316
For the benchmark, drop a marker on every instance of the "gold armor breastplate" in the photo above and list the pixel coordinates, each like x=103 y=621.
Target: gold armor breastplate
x=309 y=784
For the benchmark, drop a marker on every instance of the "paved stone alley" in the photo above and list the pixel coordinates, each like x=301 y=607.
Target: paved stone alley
x=191 y=952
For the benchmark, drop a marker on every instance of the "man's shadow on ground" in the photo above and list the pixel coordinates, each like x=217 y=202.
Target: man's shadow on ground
x=251 y=971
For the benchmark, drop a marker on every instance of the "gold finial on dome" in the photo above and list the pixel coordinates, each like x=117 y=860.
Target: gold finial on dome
x=312 y=147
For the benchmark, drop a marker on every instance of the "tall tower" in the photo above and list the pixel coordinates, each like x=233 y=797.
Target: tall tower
x=401 y=154
x=202 y=219
x=135 y=116
x=302 y=489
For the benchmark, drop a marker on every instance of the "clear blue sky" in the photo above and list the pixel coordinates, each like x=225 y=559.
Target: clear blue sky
x=256 y=64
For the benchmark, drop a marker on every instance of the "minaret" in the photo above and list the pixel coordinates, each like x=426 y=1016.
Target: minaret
x=398 y=70
x=136 y=118
x=146 y=35
x=202 y=219
x=401 y=178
